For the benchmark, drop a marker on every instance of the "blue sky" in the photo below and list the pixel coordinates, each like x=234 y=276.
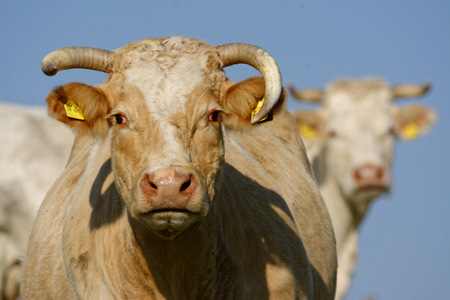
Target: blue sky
x=405 y=239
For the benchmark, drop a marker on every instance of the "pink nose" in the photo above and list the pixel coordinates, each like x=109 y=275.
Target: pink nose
x=168 y=188
x=369 y=176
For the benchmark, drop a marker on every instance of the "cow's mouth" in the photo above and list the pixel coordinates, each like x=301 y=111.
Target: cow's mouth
x=370 y=191
x=169 y=210
x=370 y=187
x=168 y=222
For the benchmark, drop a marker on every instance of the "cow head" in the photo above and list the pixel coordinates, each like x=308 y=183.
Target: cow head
x=355 y=130
x=165 y=105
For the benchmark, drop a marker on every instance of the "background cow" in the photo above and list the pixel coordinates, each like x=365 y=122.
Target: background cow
x=174 y=189
x=33 y=152
x=349 y=141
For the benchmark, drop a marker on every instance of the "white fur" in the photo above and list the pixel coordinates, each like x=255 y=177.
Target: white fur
x=359 y=118
x=33 y=152
x=166 y=93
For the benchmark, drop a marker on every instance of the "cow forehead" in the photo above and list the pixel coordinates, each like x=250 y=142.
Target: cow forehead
x=348 y=92
x=346 y=99
x=166 y=71
x=358 y=124
x=358 y=103
x=165 y=91
x=350 y=115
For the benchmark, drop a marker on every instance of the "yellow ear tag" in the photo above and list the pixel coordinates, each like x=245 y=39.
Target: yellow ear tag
x=258 y=107
x=307 y=131
x=73 y=111
x=410 y=131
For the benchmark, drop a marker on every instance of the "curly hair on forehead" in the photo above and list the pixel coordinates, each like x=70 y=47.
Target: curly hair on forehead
x=363 y=86
x=167 y=52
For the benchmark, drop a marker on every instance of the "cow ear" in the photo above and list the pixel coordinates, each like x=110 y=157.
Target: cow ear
x=414 y=120
x=82 y=107
x=242 y=100
x=311 y=126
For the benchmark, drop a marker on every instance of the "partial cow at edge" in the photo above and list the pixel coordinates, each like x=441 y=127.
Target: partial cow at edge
x=34 y=149
x=174 y=188
x=349 y=141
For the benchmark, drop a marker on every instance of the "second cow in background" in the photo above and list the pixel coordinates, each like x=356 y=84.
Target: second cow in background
x=349 y=141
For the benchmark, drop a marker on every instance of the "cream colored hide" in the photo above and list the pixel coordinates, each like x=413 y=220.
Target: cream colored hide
x=34 y=149
x=349 y=141
x=171 y=192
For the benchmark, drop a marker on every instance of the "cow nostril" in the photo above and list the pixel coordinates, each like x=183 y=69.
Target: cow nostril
x=154 y=186
x=380 y=173
x=185 y=185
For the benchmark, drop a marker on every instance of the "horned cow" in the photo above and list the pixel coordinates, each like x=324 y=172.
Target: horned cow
x=173 y=189
x=349 y=141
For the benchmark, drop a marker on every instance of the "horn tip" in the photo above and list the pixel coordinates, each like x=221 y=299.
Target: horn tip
x=49 y=69
x=259 y=115
x=255 y=120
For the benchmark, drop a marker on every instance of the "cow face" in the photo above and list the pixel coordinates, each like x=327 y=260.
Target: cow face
x=166 y=159
x=354 y=134
x=359 y=145
x=164 y=113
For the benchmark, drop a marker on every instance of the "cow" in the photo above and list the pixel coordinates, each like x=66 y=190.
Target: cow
x=180 y=184
x=349 y=141
x=33 y=153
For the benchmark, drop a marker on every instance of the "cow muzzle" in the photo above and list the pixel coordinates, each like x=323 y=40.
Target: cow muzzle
x=172 y=200
x=370 y=178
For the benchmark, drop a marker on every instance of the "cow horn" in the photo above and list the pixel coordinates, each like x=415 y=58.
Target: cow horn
x=306 y=95
x=409 y=90
x=75 y=57
x=237 y=53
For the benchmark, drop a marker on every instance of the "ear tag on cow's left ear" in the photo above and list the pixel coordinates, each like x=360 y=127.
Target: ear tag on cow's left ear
x=307 y=131
x=410 y=131
x=73 y=111
x=258 y=107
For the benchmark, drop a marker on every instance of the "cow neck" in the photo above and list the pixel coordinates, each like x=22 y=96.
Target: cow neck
x=340 y=212
x=346 y=213
x=359 y=209
x=184 y=267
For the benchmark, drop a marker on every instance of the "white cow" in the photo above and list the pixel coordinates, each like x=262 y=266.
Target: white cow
x=34 y=149
x=349 y=141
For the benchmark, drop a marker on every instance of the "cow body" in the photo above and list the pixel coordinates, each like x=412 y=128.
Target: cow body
x=349 y=142
x=170 y=193
x=33 y=153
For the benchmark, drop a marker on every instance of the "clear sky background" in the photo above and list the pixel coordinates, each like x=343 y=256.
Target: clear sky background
x=405 y=239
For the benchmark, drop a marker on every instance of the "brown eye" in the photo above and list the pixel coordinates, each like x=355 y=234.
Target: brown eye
x=392 y=131
x=120 y=119
x=213 y=116
x=332 y=133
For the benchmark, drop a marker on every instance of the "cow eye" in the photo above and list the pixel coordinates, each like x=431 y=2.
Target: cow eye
x=213 y=116
x=332 y=133
x=392 y=131
x=121 y=119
